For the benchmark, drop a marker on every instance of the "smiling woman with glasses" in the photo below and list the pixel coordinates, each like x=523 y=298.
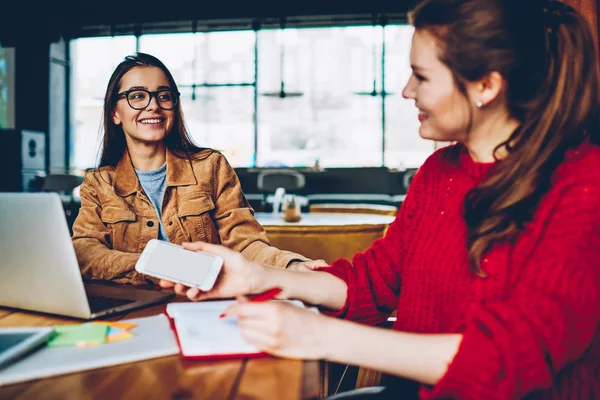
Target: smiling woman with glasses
x=154 y=182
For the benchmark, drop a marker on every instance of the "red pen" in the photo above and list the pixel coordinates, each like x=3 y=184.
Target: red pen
x=264 y=296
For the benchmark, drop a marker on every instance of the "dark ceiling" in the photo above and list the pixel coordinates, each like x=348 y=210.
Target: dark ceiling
x=43 y=21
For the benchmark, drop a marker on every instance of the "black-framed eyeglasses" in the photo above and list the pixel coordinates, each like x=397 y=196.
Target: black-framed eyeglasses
x=138 y=99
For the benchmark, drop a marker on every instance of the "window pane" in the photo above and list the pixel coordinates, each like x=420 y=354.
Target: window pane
x=215 y=57
x=176 y=51
x=324 y=114
x=222 y=118
x=226 y=57
x=7 y=89
x=93 y=62
x=404 y=147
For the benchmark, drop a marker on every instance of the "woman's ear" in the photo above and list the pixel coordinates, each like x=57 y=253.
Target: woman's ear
x=488 y=89
x=115 y=118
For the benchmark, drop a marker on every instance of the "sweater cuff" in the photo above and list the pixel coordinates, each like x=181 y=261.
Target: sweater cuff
x=463 y=377
x=339 y=273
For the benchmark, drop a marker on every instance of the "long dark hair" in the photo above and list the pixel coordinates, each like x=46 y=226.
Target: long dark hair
x=113 y=141
x=547 y=54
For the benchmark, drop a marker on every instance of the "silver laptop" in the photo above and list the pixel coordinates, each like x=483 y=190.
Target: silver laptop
x=38 y=267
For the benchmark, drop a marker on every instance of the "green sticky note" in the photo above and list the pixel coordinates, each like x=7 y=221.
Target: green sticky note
x=78 y=335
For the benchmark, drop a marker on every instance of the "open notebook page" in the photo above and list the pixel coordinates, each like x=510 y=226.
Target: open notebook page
x=202 y=334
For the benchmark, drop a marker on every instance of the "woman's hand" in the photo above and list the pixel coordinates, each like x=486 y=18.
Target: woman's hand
x=282 y=329
x=307 y=265
x=238 y=276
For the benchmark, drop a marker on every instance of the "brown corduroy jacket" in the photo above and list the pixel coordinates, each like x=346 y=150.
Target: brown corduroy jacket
x=203 y=201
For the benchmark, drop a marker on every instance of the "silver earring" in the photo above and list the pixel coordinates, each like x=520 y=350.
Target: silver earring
x=479 y=104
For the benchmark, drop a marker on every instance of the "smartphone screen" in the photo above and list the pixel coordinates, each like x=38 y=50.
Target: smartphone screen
x=181 y=265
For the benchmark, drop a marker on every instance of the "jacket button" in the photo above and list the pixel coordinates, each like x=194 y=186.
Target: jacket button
x=150 y=224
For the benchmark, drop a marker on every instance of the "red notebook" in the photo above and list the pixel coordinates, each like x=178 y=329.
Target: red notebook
x=202 y=335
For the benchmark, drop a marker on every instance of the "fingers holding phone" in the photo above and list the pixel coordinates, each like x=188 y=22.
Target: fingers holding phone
x=192 y=293
x=238 y=275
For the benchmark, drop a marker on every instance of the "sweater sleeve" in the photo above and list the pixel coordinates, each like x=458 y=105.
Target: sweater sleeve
x=373 y=277
x=518 y=345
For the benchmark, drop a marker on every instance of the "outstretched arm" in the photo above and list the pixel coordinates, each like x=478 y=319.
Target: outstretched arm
x=330 y=288
x=289 y=331
x=241 y=276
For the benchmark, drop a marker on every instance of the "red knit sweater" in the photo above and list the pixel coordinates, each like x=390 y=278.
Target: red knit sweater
x=531 y=328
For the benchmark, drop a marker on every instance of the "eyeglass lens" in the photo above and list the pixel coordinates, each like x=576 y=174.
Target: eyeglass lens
x=140 y=99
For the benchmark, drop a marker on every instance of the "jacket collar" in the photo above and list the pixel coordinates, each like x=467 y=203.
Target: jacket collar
x=179 y=173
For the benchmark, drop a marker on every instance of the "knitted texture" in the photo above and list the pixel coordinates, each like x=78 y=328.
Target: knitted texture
x=531 y=327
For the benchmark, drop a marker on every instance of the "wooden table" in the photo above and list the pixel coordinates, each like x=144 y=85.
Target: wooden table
x=326 y=236
x=167 y=377
x=378 y=209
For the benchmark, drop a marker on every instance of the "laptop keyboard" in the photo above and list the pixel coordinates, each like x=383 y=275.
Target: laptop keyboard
x=98 y=304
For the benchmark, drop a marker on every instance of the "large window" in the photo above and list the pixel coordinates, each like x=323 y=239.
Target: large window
x=282 y=97
x=311 y=105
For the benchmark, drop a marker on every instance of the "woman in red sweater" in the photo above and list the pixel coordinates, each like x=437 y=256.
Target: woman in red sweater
x=492 y=262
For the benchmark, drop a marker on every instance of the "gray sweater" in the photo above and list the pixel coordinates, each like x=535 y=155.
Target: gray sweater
x=154 y=183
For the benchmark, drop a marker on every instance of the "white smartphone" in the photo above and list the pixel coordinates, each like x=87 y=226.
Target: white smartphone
x=174 y=263
x=16 y=342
